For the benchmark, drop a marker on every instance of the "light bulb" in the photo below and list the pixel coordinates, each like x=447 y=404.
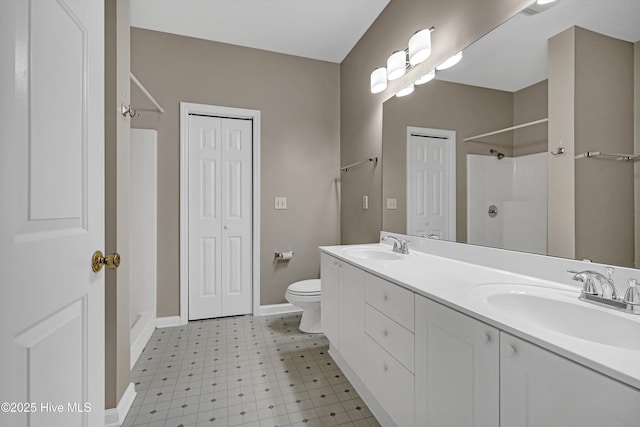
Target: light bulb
x=450 y=62
x=406 y=91
x=419 y=46
x=426 y=78
x=397 y=65
x=378 y=80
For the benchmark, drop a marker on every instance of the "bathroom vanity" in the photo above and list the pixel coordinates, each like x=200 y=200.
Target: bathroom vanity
x=428 y=340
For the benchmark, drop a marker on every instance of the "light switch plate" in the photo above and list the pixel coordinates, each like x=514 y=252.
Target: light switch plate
x=280 y=203
x=392 y=203
x=365 y=202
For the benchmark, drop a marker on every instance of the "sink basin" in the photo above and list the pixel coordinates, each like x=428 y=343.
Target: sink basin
x=561 y=311
x=373 y=253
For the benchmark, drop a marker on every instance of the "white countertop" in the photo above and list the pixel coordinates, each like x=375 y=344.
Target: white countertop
x=453 y=283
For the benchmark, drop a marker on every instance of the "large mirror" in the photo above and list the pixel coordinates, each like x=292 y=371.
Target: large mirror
x=528 y=142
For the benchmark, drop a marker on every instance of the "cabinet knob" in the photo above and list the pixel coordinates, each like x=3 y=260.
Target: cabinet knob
x=385 y=368
x=385 y=333
x=510 y=350
x=484 y=337
x=385 y=297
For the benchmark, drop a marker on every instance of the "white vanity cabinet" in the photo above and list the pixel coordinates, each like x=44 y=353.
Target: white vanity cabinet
x=342 y=310
x=456 y=368
x=417 y=362
x=541 y=389
x=369 y=323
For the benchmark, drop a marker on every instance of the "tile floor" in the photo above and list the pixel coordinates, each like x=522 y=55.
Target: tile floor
x=242 y=371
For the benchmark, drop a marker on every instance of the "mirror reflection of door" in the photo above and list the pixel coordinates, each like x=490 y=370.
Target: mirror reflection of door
x=431 y=183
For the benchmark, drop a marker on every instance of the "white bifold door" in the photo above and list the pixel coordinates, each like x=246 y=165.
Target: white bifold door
x=431 y=185
x=220 y=215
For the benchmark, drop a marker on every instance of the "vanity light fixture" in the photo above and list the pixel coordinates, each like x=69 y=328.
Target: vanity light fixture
x=402 y=60
x=426 y=78
x=379 y=80
x=450 y=62
x=542 y=2
x=406 y=91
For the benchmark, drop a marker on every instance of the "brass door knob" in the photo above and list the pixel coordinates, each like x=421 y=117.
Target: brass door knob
x=98 y=260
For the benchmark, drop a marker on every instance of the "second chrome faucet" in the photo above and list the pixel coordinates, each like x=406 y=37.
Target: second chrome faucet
x=600 y=289
x=399 y=244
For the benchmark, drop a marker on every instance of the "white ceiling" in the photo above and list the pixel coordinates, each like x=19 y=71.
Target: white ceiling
x=320 y=29
x=514 y=55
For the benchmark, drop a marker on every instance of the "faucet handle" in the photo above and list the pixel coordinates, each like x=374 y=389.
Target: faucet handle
x=610 y=271
x=632 y=295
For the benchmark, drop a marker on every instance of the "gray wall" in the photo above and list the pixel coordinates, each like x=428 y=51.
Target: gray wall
x=117 y=201
x=299 y=101
x=458 y=23
x=467 y=110
x=591 y=110
x=529 y=104
x=636 y=115
x=604 y=122
x=561 y=236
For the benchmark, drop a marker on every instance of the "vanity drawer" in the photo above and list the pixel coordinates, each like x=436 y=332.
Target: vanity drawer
x=390 y=383
x=390 y=335
x=392 y=300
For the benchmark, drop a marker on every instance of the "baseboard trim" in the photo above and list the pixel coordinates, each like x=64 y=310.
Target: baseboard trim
x=376 y=409
x=168 y=322
x=115 y=417
x=143 y=332
x=273 y=309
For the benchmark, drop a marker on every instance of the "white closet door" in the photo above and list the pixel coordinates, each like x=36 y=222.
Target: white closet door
x=219 y=216
x=236 y=216
x=51 y=212
x=428 y=186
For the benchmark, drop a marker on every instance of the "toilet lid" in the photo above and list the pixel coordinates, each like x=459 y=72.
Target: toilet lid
x=305 y=287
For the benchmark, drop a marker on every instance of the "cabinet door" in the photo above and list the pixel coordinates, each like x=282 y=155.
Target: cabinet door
x=329 y=306
x=541 y=389
x=390 y=383
x=456 y=368
x=352 y=317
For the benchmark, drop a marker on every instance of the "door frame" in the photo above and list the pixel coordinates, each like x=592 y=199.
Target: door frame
x=451 y=173
x=187 y=108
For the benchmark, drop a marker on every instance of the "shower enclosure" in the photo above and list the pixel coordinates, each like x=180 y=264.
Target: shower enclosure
x=507 y=202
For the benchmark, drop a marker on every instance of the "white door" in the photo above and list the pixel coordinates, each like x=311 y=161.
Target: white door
x=431 y=183
x=456 y=367
x=220 y=214
x=51 y=212
x=330 y=303
x=541 y=389
x=351 y=315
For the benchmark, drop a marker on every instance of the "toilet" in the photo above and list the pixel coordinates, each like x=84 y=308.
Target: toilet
x=306 y=295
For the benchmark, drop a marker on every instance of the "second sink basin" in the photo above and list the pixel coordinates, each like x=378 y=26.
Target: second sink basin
x=561 y=311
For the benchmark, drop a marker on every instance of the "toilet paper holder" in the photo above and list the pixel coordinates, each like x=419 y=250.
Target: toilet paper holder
x=283 y=256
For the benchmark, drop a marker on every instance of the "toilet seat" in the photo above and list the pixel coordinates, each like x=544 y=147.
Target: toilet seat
x=307 y=288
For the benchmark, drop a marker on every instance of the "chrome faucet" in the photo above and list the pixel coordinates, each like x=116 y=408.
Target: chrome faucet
x=595 y=283
x=600 y=289
x=399 y=244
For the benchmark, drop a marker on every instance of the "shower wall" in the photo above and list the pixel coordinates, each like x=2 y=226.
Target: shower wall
x=143 y=238
x=517 y=187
